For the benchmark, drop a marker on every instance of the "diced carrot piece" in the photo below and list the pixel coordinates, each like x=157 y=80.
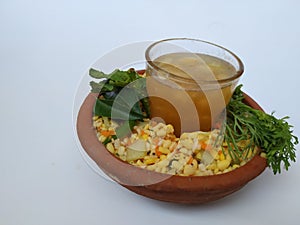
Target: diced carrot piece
x=157 y=152
x=190 y=160
x=107 y=133
x=142 y=132
x=205 y=146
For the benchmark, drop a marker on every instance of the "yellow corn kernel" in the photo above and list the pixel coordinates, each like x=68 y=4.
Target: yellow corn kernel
x=110 y=148
x=211 y=166
x=221 y=157
x=222 y=165
x=199 y=155
x=122 y=157
x=146 y=127
x=145 y=136
x=166 y=143
x=216 y=170
x=243 y=163
x=194 y=164
x=248 y=154
x=140 y=163
x=162 y=157
x=255 y=150
x=224 y=144
x=101 y=138
x=263 y=154
x=150 y=160
x=163 y=150
x=170 y=129
x=189 y=170
x=235 y=166
x=121 y=150
x=216 y=157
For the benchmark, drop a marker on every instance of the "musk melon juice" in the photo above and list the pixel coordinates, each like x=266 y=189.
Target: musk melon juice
x=188 y=90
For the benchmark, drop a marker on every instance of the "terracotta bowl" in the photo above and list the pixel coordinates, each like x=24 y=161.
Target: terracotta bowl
x=164 y=187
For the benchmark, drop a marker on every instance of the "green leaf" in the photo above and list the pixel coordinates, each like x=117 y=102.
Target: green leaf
x=122 y=78
x=101 y=87
x=122 y=96
x=125 y=128
x=97 y=74
x=109 y=139
x=96 y=87
x=104 y=107
x=273 y=135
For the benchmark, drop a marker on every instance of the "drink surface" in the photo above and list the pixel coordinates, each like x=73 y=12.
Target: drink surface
x=195 y=66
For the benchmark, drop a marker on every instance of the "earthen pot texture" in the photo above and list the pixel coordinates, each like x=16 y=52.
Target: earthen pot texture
x=164 y=187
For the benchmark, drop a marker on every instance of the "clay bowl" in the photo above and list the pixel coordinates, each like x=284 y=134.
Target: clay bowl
x=164 y=187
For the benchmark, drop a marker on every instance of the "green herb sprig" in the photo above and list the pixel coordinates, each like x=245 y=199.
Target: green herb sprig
x=274 y=136
x=122 y=94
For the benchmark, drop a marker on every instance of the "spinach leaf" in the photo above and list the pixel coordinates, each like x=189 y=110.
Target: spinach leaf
x=122 y=96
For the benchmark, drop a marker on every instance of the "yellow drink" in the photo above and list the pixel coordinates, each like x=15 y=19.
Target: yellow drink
x=188 y=90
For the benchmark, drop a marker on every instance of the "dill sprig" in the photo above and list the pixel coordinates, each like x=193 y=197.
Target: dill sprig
x=274 y=136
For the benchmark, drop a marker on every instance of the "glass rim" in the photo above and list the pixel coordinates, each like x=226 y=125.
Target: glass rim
x=238 y=73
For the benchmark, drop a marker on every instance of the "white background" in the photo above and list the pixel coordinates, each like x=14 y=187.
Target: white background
x=47 y=46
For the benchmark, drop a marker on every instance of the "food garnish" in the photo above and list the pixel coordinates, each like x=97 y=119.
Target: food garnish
x=121 y=94
x=274 y=136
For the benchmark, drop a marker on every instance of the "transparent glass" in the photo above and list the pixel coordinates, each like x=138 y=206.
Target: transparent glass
x=190 y=82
